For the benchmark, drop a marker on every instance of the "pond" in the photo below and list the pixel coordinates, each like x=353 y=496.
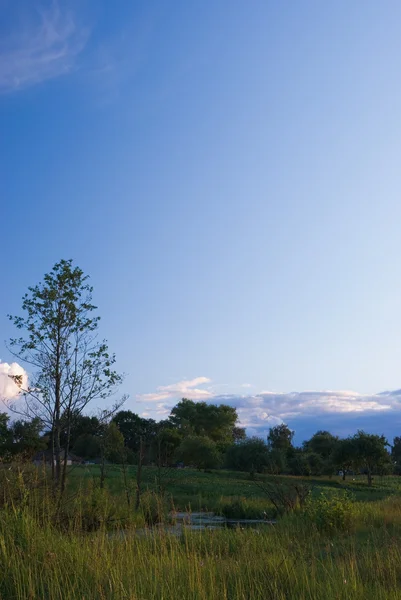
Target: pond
x=197 y=521
x=208 y=520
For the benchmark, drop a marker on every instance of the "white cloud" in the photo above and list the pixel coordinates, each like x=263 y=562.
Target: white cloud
x=343 y=411
x=42 y=46
x=9 y=390
x=278 y=405
x=181 y=389
x=286 y=406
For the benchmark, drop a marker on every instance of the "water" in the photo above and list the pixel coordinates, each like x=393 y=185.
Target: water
x=196 y=521
x=200 y=520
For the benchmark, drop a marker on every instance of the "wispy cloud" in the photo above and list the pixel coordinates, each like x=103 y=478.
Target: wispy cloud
x=41 y=46
x=181 y=389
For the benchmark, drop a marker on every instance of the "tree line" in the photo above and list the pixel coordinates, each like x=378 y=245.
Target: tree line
x=205 y=436
x=323 y=454
x=71 y=368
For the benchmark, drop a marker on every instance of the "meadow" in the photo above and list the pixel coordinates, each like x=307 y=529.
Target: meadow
x=344 y=543
x=190 y=489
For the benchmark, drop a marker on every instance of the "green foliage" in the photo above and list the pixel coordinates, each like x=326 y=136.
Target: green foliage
x=276 y=462
x=315 y=462
x=80 y=425
x=396 y=450
x=280 y=437
x=26 y=437
x=239 y=434
x=333 y=513
x=370 y=452
x=248 y=455
x=114 y=444
x=285 y=495
x=87 y=446
x=241 y=507
x=90 y=510
x=165 y=445
x=5 y=437
x=199 y=451
x=344 y=455
x=154 y=508
x=298 y=463
x=133 y=427
x=59 y=338
x=321 y=443
x=58 y=315
x=22 y=437
x=208 y=420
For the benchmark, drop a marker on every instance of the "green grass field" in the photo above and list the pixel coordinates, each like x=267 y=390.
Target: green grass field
x=358 y=554
x=196 y=490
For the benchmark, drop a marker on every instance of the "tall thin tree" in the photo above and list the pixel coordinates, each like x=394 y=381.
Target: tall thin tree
x=60 y=342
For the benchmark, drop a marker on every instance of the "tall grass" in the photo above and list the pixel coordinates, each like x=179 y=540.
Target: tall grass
x=290 y=560
x=294 y=559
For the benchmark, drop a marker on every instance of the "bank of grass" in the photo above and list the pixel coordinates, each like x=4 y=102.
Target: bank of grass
x=96 y=547
x=286 y=561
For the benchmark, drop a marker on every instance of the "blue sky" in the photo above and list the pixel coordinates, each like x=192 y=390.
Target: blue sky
x=227 y=173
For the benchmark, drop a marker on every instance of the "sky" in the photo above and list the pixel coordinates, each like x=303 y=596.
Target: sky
x=228 y=175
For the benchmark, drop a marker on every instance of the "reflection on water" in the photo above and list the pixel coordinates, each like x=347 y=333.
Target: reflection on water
x=200 y=520
x=196 y=521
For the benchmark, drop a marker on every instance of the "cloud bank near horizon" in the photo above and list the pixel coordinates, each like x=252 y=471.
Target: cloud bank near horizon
x=342 y=412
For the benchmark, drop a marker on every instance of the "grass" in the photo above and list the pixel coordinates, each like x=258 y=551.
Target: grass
x=197 y=490
x=291 y=560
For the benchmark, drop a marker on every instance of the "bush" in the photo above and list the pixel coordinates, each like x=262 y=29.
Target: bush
x=332 y=513
x=299 y=465
x=245 y=508
x=199 y=451
x=285 y=496
x=153 y=508
x=276 y=462
x=249 y=455
x=90 y=509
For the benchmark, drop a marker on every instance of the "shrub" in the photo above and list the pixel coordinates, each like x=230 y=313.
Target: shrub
x=249 y=455
x=286 y=496
x=199 y=451
x=332 y=513
x=245 y=508
x=90 y=509
x=153 y=508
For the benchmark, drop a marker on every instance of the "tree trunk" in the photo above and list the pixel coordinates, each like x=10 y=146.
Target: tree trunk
x=102 y=465
x=57 y=455
x=369 y=474
x=57 y=414
x=343 y=474
x=53 y=455
x=139 y=475
x=66 y=451
x=127 y=492
x=159 y=467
